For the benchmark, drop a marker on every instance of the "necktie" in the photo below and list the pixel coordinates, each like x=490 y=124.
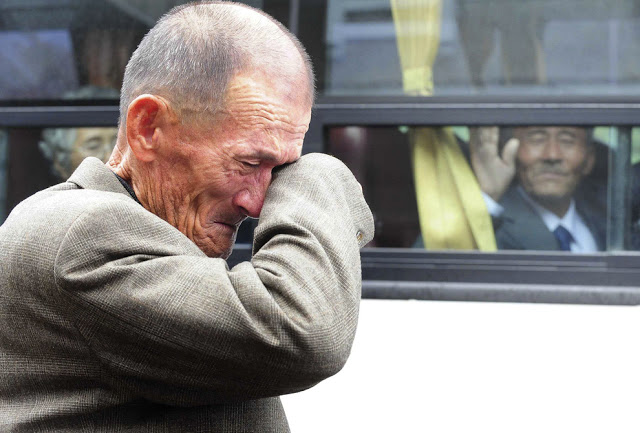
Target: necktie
x=564 y=238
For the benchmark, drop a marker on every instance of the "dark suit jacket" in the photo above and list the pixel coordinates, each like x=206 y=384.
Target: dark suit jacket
x=111 y=320
x=521 y=228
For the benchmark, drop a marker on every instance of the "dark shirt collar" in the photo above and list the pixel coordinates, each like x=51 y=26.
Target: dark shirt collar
x=126 y=186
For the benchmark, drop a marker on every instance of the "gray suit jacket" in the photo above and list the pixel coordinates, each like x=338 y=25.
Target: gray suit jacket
x=112 y=320
x=521 y=228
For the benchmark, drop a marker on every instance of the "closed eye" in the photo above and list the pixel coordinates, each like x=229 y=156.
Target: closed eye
x=250 y=164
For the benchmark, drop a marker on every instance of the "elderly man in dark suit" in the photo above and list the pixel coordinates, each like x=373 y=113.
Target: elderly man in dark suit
x=118 y=311
x=531 y=188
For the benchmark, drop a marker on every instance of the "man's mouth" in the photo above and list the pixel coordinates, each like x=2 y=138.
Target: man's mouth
x=551 y=174
x=231 y=224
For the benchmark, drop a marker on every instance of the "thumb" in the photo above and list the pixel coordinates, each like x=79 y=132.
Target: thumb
x=510 y=151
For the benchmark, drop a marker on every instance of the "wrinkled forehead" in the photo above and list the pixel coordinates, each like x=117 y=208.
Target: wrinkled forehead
x=579 y=132
x=273 y=98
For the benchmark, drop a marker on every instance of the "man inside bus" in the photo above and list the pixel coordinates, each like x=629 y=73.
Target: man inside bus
x=66 y=148
x=531 y=187
x=118 y=311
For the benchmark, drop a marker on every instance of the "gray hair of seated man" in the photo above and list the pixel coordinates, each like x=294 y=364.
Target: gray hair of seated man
x=57 y=143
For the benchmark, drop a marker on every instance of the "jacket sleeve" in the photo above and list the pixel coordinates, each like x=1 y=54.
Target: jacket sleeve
x=173 y=326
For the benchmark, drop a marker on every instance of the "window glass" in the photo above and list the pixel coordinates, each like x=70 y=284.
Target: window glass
x=475 y=47
x=56 y=49
x=497 y=188
x=425 y=185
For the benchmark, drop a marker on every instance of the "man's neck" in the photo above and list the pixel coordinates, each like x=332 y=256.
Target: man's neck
x=558 y=207
x=128 y=187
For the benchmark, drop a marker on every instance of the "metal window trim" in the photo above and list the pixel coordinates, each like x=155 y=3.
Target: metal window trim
x=384 y=111
x=58 y=116
x=531 y=277
x=477 y=111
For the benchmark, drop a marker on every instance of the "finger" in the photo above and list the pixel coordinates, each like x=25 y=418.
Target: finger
x=489 y=135
x=484 y=137
x=510 y=151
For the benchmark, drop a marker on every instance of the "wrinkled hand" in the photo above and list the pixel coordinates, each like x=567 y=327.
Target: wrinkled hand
x=493 y=171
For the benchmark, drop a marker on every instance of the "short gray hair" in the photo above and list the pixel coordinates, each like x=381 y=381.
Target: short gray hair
x=192 y=53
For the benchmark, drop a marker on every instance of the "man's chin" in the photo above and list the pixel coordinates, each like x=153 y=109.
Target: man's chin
x=225 y=255
x=217 y=250
x=216 y=242
x=551 y=197
x=550 y=190
x=217 y=253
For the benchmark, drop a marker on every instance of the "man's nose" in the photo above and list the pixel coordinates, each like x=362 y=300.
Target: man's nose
x=552 y=150
x=251 y=199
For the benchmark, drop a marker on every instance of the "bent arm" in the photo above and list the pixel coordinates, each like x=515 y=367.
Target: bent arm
x=173 y=326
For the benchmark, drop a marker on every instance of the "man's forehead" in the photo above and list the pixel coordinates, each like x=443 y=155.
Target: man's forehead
x=255 y=101
x=259 y=84
x=551 y=129
x=273 y=152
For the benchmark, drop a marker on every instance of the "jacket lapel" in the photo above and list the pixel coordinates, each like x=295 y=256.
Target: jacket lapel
x=523 y=226
x=93 y=174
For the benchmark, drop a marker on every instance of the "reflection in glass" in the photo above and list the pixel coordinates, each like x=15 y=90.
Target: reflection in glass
x=495 y=47
x=56 y=47
x=512 y=30
x=488 y=188
x=36 y=64
x=53 y=47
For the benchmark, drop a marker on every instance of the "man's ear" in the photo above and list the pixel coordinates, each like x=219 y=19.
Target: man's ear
x=145 y=115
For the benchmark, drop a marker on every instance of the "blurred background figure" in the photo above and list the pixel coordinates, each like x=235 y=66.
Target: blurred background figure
x=65 y=148
x=520 y=26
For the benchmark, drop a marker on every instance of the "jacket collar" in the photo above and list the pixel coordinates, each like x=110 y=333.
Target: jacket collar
x=93 y=174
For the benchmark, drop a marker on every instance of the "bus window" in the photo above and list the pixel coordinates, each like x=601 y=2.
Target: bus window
x=530 y=187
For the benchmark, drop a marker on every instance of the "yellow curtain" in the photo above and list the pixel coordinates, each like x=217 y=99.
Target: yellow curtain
x=417 y=24
x=451 y=209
